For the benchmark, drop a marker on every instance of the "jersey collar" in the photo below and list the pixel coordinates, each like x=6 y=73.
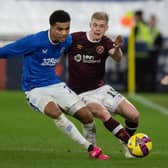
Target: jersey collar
x=89 y=39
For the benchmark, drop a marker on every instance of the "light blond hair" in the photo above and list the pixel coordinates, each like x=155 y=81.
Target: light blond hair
x=100 y=16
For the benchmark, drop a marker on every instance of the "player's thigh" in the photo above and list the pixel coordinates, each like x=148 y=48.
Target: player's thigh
x=68 y=100
x=112 y=99
x=105 y=95
x=38 y=99
x=60 y=94
x=128 y=111
x=99 y=111
x=71 y=103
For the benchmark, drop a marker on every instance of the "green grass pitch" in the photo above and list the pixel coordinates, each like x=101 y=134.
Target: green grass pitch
x=28 y=139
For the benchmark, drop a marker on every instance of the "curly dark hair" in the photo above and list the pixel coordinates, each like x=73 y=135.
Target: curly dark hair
x=59 y=16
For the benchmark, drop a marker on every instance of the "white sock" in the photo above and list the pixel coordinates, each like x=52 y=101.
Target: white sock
x=89 y=131
x=70 y=129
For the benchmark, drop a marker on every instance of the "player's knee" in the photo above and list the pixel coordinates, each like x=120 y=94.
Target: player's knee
x=84 y=115
x=135 y=117
x=99 y=111
x=52 y=110
x=102 y=115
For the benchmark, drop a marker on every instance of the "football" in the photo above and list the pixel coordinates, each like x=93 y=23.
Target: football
x=140 y=145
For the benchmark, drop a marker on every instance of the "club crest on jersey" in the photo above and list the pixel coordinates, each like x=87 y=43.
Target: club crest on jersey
x=99 y=49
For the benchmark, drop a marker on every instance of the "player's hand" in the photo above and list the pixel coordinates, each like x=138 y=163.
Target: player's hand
x=116 y=51
x=164 y=81
x=118 y=43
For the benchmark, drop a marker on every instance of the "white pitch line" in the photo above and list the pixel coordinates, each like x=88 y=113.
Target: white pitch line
x=150 y=104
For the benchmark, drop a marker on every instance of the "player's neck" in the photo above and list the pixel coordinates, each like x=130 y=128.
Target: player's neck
x=51 y=39
x=90 y=38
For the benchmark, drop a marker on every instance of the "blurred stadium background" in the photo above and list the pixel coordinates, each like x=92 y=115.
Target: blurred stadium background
x=22 y=17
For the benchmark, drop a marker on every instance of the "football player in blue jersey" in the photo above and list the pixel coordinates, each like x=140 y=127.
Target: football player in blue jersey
x=43 y=89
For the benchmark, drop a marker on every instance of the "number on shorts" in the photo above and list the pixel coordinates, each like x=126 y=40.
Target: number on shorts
x=112 y=92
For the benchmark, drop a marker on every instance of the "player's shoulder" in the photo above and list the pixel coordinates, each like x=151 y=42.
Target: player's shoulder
x=37 y=37
x=107 y=38
x=32 y=39
x=107 y=41
x=68 y=40
x=40 y=38
x=78 y=34
x=41 y=34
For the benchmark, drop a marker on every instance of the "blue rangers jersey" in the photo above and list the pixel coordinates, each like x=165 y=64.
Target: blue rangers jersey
x=40 y=57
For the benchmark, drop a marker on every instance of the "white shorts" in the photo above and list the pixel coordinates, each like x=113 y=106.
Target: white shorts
x=60 y=93
x=105 y=95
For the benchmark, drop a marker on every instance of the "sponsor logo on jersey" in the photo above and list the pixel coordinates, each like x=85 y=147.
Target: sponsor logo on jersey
x=100 y=49
x=78 y=58
x=49 y=62
x=86 y=59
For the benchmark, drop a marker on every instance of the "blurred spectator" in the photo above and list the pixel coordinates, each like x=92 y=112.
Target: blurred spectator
x=142 y=43
x=154 y=52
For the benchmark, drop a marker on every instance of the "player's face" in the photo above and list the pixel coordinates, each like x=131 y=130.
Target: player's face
x=97 y=29
x=59 y=31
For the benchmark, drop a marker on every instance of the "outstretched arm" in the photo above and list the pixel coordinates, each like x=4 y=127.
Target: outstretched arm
x=116 y=52
x=17 y=48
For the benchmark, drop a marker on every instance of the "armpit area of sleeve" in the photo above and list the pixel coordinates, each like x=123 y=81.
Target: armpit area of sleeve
x=3 y=53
